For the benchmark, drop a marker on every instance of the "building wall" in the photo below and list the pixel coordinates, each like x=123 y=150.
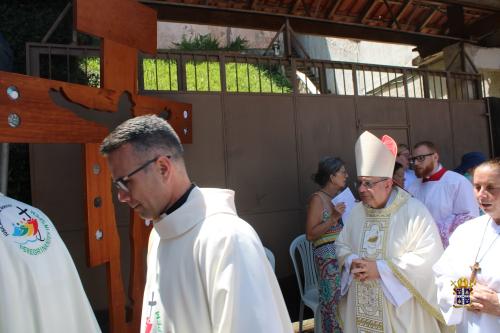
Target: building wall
x=341 y=49
x=169 y=33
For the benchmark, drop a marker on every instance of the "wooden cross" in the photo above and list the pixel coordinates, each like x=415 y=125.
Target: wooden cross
x=475 y=269
x=47 y=111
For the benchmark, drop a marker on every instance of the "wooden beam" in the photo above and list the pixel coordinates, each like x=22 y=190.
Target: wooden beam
x=306 y=8
x=429 y=17
x=316 y=8
x=174 y=12
x=473 y=4
x=333 y=8
x=39 y=115
x=60 y=112
x=251 y=4
x=456 y=20
x=366 y=10
x=394 y=19
x=405 y=6
x=133 y=25
x=484 y=27
x=293 y=6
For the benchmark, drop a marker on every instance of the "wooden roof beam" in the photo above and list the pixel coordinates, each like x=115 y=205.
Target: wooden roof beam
x=473 y=4
x=366 y=10
x=333 y=8
x=394 y=19
x=427 y=20
x=251 y=4
x=316 y=8
x=484 y=27
x=293 y=6
x=456 y=21
x=306 y=8
x=402 y=10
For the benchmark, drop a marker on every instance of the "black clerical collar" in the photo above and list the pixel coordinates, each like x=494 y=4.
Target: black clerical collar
x=180 y=201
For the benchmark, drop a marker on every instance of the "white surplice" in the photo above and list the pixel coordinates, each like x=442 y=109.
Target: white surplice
x=450 y=200
x=208 y=272
x=404 y=241
x=455 y=263
x=40 y=290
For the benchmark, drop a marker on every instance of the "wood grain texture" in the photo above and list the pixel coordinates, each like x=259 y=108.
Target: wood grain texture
x=102 y=218
x=124 y=21
x=120 y=66
x=44 y=121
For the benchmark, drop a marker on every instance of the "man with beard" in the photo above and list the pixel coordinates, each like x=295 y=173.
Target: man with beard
x=386 y=250
x=448 y=195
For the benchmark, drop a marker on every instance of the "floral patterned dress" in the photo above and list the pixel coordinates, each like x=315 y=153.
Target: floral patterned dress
x=328 y=273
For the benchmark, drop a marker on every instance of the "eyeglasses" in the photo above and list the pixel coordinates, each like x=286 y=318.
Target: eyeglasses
x=420 y=158
x=121 y=183
x=368 y=183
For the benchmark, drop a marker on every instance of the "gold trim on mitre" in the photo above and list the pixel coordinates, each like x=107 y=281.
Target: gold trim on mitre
x=373 y=157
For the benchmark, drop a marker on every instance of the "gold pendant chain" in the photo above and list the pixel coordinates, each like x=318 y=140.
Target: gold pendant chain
x=481 y=245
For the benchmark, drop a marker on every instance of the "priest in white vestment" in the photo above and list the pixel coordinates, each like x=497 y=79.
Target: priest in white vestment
x=40 y=290
x=386 y=250
x=448 y=195
x=473 y=254
x=207 y=270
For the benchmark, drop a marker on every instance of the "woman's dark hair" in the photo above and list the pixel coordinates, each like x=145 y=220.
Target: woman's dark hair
x=397 y=166
x=327 y=166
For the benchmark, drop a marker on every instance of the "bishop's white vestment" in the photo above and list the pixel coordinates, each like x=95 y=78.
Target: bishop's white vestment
x=208 y=272
x=455 y=263
x=40 y=289
x=404 y=241
x=450 y=200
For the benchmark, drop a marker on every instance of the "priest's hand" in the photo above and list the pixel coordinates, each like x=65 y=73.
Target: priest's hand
x=484 y=299
x=364 y=270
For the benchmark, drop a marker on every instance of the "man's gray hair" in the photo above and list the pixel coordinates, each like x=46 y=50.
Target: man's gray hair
x=144 y=133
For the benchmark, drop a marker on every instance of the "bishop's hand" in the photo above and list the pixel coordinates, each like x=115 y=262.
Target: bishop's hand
x=364 y=270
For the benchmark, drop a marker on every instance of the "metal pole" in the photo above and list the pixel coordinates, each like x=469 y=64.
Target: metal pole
x=4 y=168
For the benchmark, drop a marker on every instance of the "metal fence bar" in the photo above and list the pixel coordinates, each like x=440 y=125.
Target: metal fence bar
x=208 y=73
x=68 y=69
x=50 y=63
x=248 y=75
x=343 y=80
x=169 y=61
x=156 y=73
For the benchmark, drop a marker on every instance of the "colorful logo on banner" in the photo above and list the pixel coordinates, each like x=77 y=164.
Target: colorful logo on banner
x=25 y=227
x=462 y=290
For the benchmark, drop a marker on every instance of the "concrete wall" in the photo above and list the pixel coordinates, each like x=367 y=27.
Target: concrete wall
x=169 y=32
x=340 y=49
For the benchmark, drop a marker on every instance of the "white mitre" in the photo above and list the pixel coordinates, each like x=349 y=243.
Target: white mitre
x=375 y=157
